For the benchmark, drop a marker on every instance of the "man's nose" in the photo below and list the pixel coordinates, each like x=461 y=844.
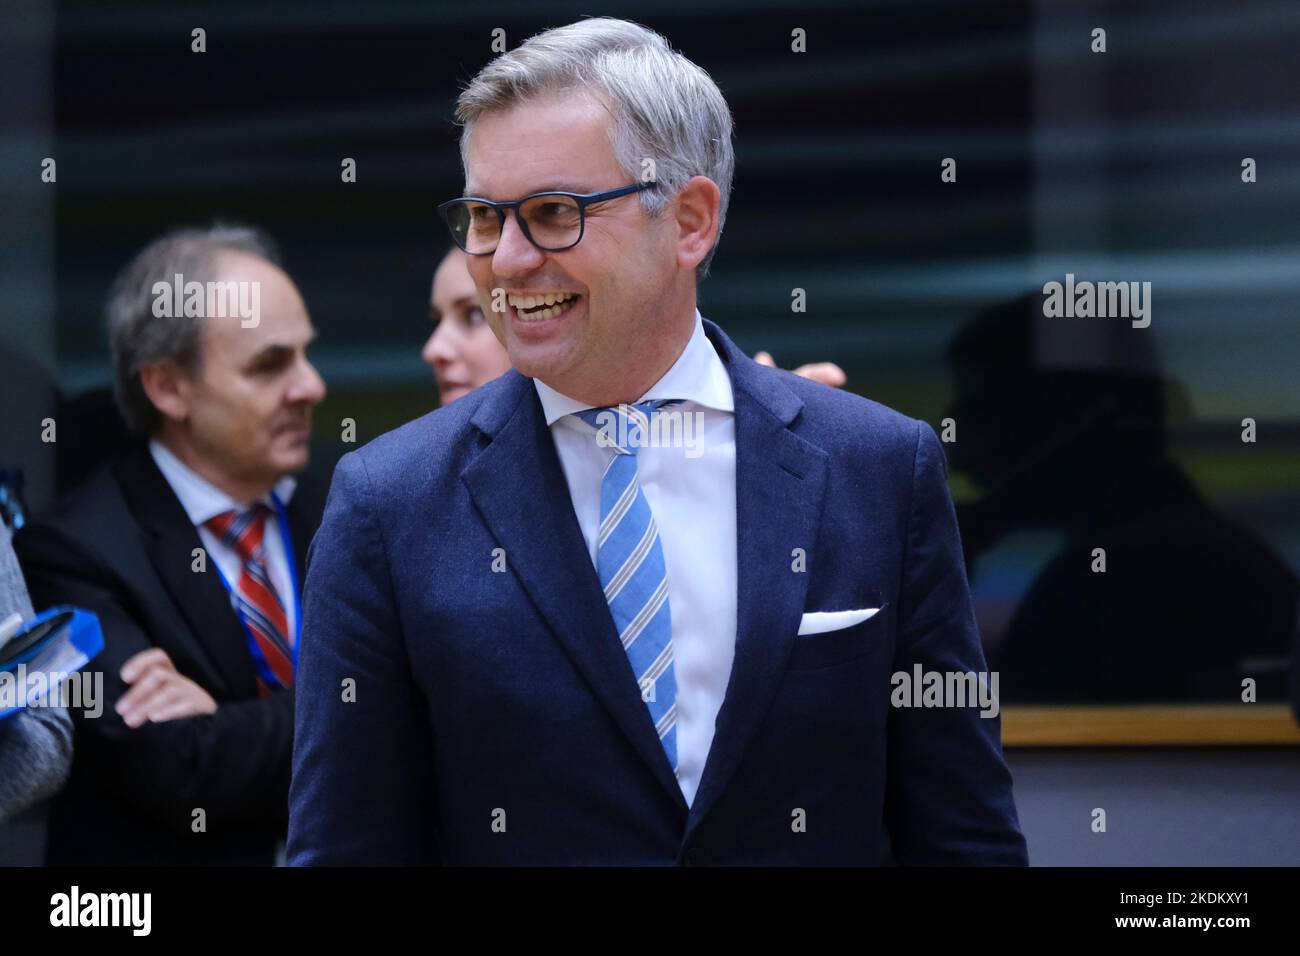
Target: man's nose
x=307 y=386
x=515 y=255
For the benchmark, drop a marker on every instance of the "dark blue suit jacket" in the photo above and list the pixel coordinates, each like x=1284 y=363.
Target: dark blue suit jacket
x=495 y=719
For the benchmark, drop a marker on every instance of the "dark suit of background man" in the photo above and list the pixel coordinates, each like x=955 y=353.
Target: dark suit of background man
x=199 y=701
x=562 y=651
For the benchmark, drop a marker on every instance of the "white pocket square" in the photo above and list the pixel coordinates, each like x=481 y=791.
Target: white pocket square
x=819 y=622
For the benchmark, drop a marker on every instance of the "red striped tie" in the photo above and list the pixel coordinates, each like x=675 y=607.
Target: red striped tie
x=259 y=604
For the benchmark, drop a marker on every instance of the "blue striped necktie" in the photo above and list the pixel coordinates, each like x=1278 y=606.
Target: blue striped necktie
x=630 y=563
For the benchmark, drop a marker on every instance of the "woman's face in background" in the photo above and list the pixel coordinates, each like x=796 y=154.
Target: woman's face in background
x=462 y=351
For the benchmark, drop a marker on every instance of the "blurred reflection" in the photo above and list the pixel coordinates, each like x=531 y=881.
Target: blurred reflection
x=1189 y=603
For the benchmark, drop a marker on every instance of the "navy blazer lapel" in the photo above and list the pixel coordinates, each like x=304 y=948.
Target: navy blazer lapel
x=519 y=487
x=780 y=483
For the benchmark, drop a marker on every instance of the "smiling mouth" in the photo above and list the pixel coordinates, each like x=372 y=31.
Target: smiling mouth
x=538 y=308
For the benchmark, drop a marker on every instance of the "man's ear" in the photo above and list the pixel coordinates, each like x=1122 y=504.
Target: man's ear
x=697 y=207
x=169 y=388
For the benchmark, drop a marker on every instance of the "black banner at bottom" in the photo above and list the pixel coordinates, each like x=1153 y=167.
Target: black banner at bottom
x=326 y=907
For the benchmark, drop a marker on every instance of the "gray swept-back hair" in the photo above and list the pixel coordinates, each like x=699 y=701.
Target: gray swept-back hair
x=137 y=337
x=664 y=107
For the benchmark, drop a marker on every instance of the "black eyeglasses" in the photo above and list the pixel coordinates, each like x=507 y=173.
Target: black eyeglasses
x=552 y=221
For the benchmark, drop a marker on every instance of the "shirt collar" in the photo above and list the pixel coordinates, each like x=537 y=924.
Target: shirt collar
x=697 y=376
x=201 y=499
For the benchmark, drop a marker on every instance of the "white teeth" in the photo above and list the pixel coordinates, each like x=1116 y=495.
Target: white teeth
x=563 y=304
x=533 y=301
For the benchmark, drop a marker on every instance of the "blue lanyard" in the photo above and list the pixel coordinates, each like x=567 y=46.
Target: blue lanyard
x=254 y=650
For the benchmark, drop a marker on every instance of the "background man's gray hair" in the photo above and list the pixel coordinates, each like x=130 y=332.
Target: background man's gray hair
x=137 y=337
x=664 y=107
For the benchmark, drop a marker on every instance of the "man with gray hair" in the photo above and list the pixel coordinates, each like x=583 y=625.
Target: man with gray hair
x=638 y=600
x=186 y=546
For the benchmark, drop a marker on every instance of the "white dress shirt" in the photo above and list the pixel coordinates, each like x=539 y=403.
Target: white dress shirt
x=203 y=501
x=693 y=499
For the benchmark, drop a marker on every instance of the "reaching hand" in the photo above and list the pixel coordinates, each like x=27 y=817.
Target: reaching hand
x=827 y=373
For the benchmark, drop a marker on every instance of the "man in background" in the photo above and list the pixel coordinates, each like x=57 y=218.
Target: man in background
x=187 y=547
